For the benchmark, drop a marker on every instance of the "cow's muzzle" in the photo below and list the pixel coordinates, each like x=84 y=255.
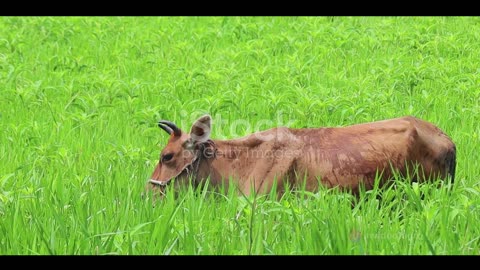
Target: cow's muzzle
x=157 y=188
x=159 y=183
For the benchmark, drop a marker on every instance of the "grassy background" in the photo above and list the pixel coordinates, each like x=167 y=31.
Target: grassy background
x=80 y=98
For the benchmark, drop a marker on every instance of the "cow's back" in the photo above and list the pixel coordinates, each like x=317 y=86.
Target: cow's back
x=348 y=156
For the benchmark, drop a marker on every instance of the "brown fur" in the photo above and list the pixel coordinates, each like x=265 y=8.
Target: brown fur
x=342 y=156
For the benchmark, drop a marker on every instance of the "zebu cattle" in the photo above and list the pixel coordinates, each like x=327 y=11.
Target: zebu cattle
x=346 y=157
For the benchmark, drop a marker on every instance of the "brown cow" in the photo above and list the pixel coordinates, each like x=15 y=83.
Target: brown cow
x=334 y=156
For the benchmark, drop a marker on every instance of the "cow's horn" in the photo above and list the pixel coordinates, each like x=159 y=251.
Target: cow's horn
x=169 y=127
x=166 y=128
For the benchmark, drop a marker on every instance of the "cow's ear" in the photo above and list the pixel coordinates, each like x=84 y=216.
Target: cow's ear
x=201 y=129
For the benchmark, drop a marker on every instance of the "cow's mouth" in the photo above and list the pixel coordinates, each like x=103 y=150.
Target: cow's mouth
x=159 y=183
x=165 y=183
x=187 y=170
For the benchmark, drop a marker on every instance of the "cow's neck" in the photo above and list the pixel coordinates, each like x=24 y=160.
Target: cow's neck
x=223 y=166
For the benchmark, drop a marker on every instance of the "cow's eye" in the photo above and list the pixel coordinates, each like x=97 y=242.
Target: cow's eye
x=167 y=157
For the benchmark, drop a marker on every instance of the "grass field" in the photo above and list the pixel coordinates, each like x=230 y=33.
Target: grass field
x=80 y=98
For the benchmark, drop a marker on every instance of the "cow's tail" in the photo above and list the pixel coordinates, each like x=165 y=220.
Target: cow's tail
x=451 y=163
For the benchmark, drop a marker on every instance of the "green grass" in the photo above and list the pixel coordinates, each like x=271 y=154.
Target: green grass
x=80 y=98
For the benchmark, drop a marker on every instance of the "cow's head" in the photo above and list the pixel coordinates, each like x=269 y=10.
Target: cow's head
x=181 y=152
